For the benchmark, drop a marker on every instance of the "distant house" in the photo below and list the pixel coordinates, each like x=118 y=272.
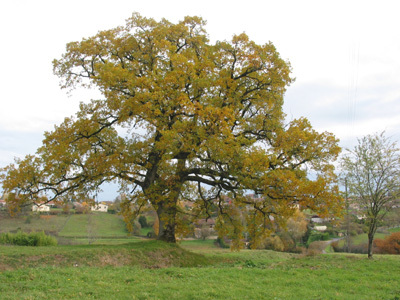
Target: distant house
x=3 y=203
x=51 y=204
x=317 y=219
x=321 y=228
x=100 y=207
x=209 y=223
x=40 y=208
x=204 y=228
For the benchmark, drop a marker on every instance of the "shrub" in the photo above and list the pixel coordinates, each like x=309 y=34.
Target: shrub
x=221 y=243
x=28 y=219
x=27 y=239
x=315 y=248
x=318 y=236
x=389 y=245
x=143 y=221
x=361 y=248
x=82 y=208
x=274 y=243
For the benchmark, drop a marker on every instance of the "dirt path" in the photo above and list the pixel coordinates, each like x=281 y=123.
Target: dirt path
x=327 y=243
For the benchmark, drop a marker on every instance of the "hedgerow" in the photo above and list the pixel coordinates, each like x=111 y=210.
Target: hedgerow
x=27 y=239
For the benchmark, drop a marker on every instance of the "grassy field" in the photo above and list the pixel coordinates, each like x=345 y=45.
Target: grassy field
x=95 y=227
x=94 y=224
x=115 y=267
x=363 y=238
x=34 y=222
x=154 y=270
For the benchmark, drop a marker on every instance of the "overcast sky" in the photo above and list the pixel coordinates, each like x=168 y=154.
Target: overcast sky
x=345 y=56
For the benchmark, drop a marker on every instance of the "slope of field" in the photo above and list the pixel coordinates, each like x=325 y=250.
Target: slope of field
x=93 y=228
x=108 y=265
x=33 y=222
x=155 y=270
x=94 y=224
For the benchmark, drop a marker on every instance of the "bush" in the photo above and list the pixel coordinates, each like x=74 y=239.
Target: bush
x=389 y=245
x=151 y=235
x=315 y=237
x=274 y=243
x=315 y=248
x=27 y=239
x=221 y=243
x=143 y=221
x=360 y=249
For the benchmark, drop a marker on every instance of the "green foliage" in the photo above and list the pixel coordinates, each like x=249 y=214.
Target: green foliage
x=318 y=236
x=221 y=243
x=273 y=243
x=27 y=239
x=143 y=221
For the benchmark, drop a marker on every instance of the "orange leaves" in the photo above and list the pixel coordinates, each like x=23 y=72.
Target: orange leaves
x=389 y=245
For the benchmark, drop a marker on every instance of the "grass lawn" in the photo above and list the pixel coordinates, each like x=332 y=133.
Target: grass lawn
x=362 y=239
x=115 y=266
x=95 y=224
x=93 y=228
x=201 y=246
x=155 y=270
x=34 y=222
x=144 y=231
x=396 y=229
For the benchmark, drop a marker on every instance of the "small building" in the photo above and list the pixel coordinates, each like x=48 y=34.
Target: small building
x=204 y=228
x=40 y=208
x=208 y=223
x=320 y=228
x=100 y=207
x=317 y=219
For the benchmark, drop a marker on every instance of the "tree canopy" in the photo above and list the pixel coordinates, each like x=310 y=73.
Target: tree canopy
x=182 y=119
x=372 y=171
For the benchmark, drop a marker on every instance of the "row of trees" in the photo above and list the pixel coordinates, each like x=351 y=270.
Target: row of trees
x=182 y=118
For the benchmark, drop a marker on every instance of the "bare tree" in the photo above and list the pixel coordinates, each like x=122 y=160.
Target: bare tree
x=373 y=176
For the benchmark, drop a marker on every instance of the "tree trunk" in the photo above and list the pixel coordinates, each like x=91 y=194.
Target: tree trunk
x=371 y=234
x=167 y=208
x=370 y=241
x=166 y=218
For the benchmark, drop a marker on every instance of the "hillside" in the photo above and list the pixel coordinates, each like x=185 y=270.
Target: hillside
x=95 y=227
x=155 y=270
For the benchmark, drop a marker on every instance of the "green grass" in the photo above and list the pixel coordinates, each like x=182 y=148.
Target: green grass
x=154 y=270
x=35 y=222
x=201 y=246
x=115 y=266
x=148 y=254
x=362 y=239
x=94 y=225
x=93 y=228
x=396 y=229
x=145 y=231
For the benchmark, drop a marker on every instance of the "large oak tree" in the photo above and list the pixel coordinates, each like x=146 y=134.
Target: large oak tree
x=181 y=119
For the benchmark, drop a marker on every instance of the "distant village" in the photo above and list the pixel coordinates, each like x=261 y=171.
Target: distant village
x=201 y=228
